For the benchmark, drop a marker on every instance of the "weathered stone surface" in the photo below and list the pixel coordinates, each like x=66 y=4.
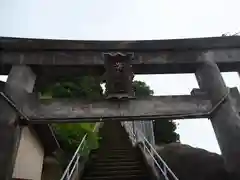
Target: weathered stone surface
x=190 y=163
x=71 y=58
x=51 y=169
x=105 y=46
x=157 y=107
x=20 y=80
x=225 y=120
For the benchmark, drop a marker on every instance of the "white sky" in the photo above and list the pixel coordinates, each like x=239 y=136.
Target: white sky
x=126 y=20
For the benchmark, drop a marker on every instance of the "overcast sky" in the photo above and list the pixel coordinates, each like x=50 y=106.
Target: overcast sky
x=130 y=20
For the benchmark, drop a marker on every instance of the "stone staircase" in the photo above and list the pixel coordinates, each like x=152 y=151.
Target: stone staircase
x=116 y=158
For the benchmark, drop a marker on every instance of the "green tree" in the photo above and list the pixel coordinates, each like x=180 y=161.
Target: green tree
x=164 y=132
x=142 y=89
x=84 y=87
x=70 y=136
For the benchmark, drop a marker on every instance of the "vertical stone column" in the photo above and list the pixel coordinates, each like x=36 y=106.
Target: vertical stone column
x=20 y=81
x=225 y=120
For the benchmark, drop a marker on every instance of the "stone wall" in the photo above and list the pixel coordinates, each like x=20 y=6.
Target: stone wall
x=51 y=169
x=29 y=160
x=190 y=163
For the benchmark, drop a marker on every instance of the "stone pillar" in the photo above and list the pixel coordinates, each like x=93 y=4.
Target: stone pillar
x=20 y=81
x=225 y=120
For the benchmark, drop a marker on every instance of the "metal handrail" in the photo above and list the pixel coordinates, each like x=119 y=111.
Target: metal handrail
x=165 y=170
x=75 y=158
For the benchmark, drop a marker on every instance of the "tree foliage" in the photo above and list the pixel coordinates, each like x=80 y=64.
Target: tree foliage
x=84 y=87
x=70 y=135
x=164 y=132
x=142 y=89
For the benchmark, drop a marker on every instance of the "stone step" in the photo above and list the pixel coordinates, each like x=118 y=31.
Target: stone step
x=120 y=163
x=106 y=160
x=121 y=177
x=118 y=167
x=116 y=158
x=118 y=172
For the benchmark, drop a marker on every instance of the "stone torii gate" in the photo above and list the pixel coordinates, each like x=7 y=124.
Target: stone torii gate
x=32 y=63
